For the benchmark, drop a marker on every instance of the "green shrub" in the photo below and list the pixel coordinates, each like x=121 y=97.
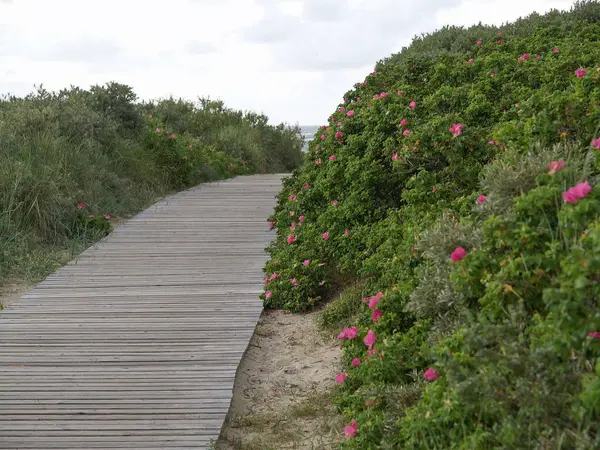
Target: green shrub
x=101 y=148
x=509 y=335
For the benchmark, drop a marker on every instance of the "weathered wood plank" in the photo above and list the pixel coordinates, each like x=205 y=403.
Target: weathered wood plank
x=136 y=343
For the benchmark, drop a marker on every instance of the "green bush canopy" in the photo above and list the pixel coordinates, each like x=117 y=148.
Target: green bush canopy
x=459 y=183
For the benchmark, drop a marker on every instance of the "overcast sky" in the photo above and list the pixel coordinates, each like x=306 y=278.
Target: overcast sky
x=292 y=60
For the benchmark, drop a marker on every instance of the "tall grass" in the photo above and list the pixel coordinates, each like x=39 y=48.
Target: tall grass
x=101 y=147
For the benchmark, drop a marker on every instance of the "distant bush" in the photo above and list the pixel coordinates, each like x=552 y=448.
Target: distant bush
x=459 y=180
x=112 y=155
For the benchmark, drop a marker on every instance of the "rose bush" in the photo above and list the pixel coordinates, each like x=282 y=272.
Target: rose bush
x=466 y=181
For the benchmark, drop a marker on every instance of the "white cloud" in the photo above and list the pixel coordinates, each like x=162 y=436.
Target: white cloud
x=292 y=60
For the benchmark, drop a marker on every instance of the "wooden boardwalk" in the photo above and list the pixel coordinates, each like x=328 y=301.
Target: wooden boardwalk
x=136 y=343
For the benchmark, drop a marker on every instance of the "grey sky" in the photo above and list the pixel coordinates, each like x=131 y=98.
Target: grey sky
x=292 y=60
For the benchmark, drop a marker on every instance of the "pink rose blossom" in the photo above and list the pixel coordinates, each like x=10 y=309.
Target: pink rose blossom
x=577 y=192
x=458 y=254
x=431 y=374
x=370 y=338
x=555 y=166
x=340 y=377
x=376 y=315
x=356 y=362
x=351 y=430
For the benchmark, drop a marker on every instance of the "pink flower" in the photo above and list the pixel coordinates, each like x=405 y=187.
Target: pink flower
x=301 y=218
x=339 y=134
x=471 y=61
x=499 y=41
x=350 y=113
x=376 y=96
x=317 y=162
x=322 y=136
x=348 y=333
x=577 y=192
x=306 y=186
x=332 y=158
x=458 y=254
x=325 y=236
x=412 y=105
x=321 y=283
x=596 y=143
x=107 y=216
x=157 y=130
x=291 y=239
x=306 y=262
x=376 y=315
x=431 y=374
x=395 y=157
x=555 y=166
x=347 y=232
x=172 y=136
x=149 y=116
x=481 y=199
x=373 y=73
x=580 y=73
x=268 y=294
x=594 y=334
x=373 y=351
x=342 y=109
x=492 y=74
x=370 y=403
x=364 y=83
x=492 y=142
x=383 y=95
x=339 y=124
x=80 y=205
x=292 y=197
x=351 y=429
x=294 y=282
x=374 y=301
x=274 y=276
x=403 y=122
x=456 y=129
x=555 y=50
x=358 y=99
x=356 y=362
x=479 y=43
x=370 y=338
x=406 y=132
x=340 y=377
x=524 y=57
x=335 y=203
x=291 y=213
x=293 y=226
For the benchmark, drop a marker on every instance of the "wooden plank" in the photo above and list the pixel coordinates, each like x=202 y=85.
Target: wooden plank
x=136 y=343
